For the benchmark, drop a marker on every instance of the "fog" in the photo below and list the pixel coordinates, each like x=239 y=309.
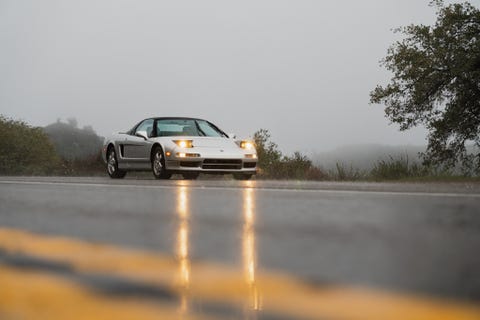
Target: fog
x=302 y=69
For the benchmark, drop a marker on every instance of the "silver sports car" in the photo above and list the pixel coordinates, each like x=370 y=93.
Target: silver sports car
x=178 y=145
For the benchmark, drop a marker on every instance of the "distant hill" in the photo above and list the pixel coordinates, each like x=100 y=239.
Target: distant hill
x=364 y=157
x=73 y=143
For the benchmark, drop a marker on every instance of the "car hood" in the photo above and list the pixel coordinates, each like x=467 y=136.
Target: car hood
x=213 y=142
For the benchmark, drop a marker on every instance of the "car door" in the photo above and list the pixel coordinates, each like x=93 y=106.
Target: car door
x=136 y=150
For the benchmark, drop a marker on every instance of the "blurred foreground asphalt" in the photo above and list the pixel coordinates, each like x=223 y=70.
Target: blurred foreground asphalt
x=365 y=241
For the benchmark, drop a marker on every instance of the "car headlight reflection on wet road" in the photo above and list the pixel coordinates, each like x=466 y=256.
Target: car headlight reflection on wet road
x=182 y=247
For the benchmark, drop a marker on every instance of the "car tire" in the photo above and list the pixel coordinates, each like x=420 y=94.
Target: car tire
x=112 y=165
x=190 y=175
x=158 y=164
x=242 y=176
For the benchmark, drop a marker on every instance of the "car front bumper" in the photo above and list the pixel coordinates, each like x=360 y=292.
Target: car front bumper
x=212 y=165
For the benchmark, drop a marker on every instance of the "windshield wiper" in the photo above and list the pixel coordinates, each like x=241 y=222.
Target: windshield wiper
x=200 y=130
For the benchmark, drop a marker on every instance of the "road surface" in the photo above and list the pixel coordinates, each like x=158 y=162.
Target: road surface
x=411 y=240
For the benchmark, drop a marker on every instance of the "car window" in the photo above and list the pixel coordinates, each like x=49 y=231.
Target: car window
x=177 y=127
x=209 y=130
x=147 y=126
x=186 y=127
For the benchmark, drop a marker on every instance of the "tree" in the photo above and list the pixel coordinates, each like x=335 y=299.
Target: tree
x=25 y=149
x=274 y=165
x=436 y=83
x=72 y=122
x=73 y=143
x=268 y=153
x=297 y=166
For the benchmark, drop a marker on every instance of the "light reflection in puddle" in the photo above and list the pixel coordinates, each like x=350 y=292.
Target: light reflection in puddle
x=249 y=251
x=182 y=247
x=253 y=301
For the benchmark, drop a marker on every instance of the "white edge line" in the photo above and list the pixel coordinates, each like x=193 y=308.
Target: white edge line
x=330 y=191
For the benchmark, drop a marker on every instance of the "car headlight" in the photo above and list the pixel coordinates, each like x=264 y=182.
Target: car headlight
x=247 y=145
x=184 y=143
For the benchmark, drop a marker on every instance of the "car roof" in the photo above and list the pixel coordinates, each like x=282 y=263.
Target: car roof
x=180 y=118
x=171 y=118
x=166 y=118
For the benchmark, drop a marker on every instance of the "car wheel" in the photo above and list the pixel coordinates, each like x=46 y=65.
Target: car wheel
x=158 y=164
x=242 y=176
x=190 y=175
x=112 y=165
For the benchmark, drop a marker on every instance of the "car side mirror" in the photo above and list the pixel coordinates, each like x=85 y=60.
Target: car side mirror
x=231 y=135
x=142 y=134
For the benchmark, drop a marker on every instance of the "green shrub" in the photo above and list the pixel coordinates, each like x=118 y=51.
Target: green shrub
x=25 y=149
x=344 y=173
x=267 y=151
x=273 y=165
x=400 y=168
x=92 y=165
x=316 y=173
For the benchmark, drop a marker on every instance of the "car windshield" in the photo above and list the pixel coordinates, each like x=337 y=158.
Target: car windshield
x=187 y=127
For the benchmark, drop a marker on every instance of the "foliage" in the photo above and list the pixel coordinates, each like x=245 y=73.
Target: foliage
x=85 y=166
x=296 y=166
x=436 y=83
x=274 y=165
x=73 y=143
x=267 y=151
x=300 y=167
x=343 y=172
x=316 y=173
x=28 y=150
x=395 y=169
x=25 y=149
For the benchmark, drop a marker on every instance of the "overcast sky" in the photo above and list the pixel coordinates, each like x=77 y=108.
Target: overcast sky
x=302 y=69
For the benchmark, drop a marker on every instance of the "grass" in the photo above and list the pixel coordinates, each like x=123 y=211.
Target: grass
x=342 y=172
x=397 y=169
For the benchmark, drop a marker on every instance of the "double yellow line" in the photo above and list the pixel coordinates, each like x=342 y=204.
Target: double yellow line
x=32 y=294
x=36 y=289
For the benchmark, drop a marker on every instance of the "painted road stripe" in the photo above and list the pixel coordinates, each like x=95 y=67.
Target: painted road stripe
x=32 y=295
x=239 y=288
x=249 y=184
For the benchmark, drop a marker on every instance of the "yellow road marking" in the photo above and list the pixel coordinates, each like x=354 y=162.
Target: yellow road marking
x=33 y=295
x=273 y=292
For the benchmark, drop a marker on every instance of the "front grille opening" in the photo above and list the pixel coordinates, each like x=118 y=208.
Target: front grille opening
x=249 y=164
x=222 y=164
x=190 y=164
x=222 y=161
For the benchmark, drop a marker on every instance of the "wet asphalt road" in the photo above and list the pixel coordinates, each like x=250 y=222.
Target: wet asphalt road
x=422 y=238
